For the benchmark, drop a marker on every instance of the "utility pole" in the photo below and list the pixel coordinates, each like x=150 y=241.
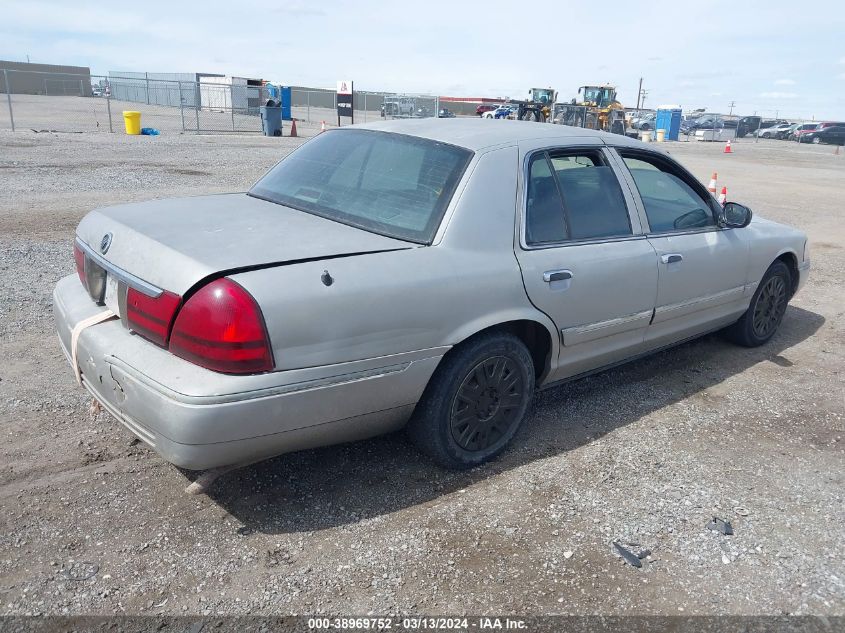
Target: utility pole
x=639 y=93
x=733 y=103
x=644 y=95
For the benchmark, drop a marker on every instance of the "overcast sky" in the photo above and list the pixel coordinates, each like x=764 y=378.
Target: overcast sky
x=773 y=56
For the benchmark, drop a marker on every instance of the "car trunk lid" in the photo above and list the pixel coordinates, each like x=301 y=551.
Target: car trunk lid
x=173 y=244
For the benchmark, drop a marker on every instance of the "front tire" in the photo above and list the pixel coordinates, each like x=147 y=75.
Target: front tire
x=475 y=402
x=768 y=305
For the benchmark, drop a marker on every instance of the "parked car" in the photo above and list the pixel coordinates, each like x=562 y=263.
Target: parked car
x=802 y=129
x=644 y=123
x=834 y=134
x=768 y=123
x=485 y=107
x=776 y=131
x=446 y=114
x=804 y=136
x=398 y=106
x=387 y=274
x=702 y=122
x=747 y=125
x=502 y=112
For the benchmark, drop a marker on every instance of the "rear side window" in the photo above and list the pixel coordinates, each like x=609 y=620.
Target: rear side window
x=671 y=203
x=573 y=196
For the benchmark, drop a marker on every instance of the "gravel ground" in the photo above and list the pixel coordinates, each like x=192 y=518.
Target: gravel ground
x=646 y=453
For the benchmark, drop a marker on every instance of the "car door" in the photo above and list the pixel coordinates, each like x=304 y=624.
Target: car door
x=702 y=268
x=584 y=259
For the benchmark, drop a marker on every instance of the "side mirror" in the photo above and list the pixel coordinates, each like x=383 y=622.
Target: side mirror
x=734 y=216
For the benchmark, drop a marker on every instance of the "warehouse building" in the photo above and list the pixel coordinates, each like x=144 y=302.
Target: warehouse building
x=207 y=90
x=45 y=79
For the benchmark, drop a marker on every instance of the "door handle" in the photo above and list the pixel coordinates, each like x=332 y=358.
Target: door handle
x=556 y=275
x=671 y=258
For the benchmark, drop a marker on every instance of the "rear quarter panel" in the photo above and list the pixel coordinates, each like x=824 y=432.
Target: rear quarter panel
x=769 y=240
x=414 y=299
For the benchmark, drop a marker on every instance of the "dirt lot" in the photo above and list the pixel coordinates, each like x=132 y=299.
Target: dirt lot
x=646 y=453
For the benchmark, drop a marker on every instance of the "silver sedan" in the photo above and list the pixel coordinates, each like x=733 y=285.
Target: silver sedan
x=421 y=273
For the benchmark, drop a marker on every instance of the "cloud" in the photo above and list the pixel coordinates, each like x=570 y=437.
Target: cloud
x=784 y=82
x=778 y=95
x=686 y=83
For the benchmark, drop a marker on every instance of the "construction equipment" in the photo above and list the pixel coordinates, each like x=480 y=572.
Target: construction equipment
x=539 y=106
x=601 y=109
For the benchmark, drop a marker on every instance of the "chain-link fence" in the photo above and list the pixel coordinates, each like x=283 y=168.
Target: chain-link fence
x=180 y=103
x=315 y=105
x=50 y=102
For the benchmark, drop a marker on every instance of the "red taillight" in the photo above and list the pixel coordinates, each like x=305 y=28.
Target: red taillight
x=151 y=317
x=221 y=328
x=79 y=256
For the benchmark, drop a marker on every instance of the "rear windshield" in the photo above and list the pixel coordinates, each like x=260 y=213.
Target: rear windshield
x=386 y=183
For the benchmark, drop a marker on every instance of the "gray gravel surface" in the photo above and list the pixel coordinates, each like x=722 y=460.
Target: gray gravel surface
x=644 y=455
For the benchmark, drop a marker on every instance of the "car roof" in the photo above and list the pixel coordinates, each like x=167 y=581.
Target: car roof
x=477 y=133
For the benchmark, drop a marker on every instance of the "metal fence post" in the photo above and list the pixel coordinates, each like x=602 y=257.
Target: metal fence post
x=197 y=101
x=81 y=89
x=232 y=103
x=181 y=107
x=108 y=107
x=9 y=97
x=365 y=107
x=45 y=87
x=147 y=77
x=308 y=104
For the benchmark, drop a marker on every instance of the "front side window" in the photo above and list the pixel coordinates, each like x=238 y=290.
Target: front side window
x=573 y=196
x=386 y=183
x=671 y=203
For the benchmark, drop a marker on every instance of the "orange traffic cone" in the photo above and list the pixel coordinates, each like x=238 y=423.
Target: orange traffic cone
x=293 y=128
x=723 y=197
x=323 y=127
x=728 y=147
x=712 y=186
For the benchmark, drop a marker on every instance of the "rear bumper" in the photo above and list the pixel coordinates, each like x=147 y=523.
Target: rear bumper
x=200 y=419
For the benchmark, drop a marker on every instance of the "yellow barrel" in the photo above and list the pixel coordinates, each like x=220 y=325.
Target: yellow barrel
x=661 y=136
x=132 y=121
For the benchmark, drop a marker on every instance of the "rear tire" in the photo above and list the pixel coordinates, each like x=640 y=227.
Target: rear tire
x=475 y=402
x=765 y=313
